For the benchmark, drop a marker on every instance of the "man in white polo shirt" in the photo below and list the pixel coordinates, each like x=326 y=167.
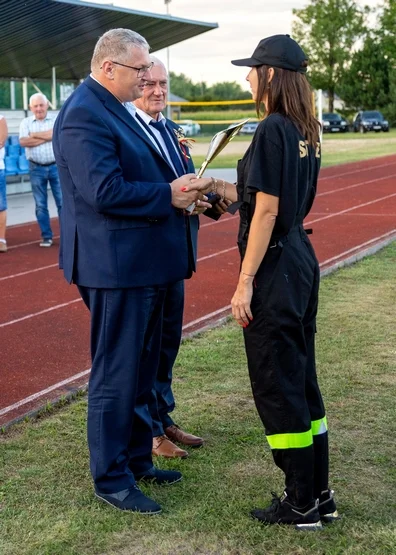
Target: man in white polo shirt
x=35 y=133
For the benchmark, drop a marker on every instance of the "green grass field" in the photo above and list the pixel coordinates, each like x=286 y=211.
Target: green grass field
x=350 y=136
x=337 y=149
x=47 y=505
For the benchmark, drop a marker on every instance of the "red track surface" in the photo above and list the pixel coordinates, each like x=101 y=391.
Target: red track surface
x=44 y=327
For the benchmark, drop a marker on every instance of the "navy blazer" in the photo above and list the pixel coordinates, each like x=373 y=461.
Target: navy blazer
x=118 y=227
x=189 y=167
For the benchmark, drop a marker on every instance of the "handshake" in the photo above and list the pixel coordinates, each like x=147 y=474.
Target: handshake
x=199 y=193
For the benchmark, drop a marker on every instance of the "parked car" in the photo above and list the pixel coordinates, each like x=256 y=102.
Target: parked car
x=334 y=123
x=249 y=128
x=370 y=121
x=190 y=128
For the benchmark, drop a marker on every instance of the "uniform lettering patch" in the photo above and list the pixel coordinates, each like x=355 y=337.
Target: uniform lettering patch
x=303 y=147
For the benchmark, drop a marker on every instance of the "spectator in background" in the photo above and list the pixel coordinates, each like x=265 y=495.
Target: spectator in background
x=3 y=198
x=35 y=133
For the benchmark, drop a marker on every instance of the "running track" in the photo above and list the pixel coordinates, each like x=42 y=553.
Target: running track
x=44 y=342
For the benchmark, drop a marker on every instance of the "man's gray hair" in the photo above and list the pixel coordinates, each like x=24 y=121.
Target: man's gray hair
x=158 y=62
x=38 y=95
x=116 y=45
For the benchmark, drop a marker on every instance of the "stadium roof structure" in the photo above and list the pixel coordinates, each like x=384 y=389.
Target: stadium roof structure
x=38 y=35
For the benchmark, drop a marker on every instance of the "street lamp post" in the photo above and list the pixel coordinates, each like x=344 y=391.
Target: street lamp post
x=168 y=107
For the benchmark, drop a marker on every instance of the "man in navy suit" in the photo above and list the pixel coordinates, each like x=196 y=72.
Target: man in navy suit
x=149 y=114
x=123 y=240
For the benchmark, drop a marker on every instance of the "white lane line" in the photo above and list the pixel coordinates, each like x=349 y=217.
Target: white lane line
x=28 y=316
x=334 y=214
x=186 y=326
x=337 y=175
x=53 y=265
x=43 y=392
x=86 y=372
x=29 y=243
x=29 y=272
x=220 y=221
x=206 y=257
x=32 y=222
x=56 y=307
x=355 y=185
x=365 y=244
x=216 y=254
x=206 y=317
x=363 y=214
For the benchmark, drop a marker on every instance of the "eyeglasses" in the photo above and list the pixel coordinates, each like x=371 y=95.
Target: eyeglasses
x=140 y=70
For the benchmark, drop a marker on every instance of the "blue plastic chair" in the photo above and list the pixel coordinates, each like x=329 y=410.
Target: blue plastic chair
x=11 y=165
x=23 y=164
x=13 y=140
x=13 y=150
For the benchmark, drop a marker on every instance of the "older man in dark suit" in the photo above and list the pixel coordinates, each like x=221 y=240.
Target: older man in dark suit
x=123 y=240
x=165 y=135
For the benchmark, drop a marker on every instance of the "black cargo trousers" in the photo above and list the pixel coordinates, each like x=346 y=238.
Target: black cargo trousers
x=280 y=348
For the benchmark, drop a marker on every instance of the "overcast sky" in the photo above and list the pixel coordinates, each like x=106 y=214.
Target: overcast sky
x=242 y=23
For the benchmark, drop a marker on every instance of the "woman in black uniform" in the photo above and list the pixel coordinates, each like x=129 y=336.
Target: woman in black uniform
x=277 y=294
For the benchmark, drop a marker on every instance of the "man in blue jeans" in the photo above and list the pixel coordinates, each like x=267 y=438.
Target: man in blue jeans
x=35 y=134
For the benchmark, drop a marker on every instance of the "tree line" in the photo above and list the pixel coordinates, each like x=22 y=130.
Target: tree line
x=347 y=56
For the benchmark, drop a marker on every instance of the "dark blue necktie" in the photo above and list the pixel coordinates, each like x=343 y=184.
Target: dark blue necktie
x=170 y=147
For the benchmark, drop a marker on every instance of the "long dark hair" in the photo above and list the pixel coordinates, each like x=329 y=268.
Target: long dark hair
x=288 y=94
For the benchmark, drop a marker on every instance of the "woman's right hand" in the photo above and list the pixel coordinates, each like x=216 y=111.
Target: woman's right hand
x=242 y=299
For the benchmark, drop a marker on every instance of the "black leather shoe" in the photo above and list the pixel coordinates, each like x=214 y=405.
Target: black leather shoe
x=131 y=500
x=160 y=477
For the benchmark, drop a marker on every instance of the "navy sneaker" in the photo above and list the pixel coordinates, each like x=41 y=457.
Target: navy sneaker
x=160 y=477
x=281 y=511
x=46 y=243
x=131 y=500
x=327 y=507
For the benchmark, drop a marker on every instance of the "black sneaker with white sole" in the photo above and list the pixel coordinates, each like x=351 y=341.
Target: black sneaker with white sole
x=46 y=243
x=281 y=511
x=131 y=500
x=327 y=506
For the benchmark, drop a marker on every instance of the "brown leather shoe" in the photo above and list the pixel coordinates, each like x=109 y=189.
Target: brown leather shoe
x=162 y=447
x=176 y=434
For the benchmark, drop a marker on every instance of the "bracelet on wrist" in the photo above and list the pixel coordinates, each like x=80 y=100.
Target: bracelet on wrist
x=223 y=191
x=245 y=274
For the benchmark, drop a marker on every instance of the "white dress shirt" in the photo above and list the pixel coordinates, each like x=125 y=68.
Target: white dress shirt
x=147 y=118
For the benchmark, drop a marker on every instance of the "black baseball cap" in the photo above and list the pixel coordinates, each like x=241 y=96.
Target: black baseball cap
x=277 y=51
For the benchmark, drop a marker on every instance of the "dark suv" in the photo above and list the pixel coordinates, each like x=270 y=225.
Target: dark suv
x=333 y=123
x=370 y=121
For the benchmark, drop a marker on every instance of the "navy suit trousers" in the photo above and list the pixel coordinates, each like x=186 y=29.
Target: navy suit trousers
x=162 y=401
x=125 y=327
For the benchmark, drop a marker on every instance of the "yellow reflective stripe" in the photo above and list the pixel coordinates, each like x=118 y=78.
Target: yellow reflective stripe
x=319 y=426
x=298 y=440
x=290 y=441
